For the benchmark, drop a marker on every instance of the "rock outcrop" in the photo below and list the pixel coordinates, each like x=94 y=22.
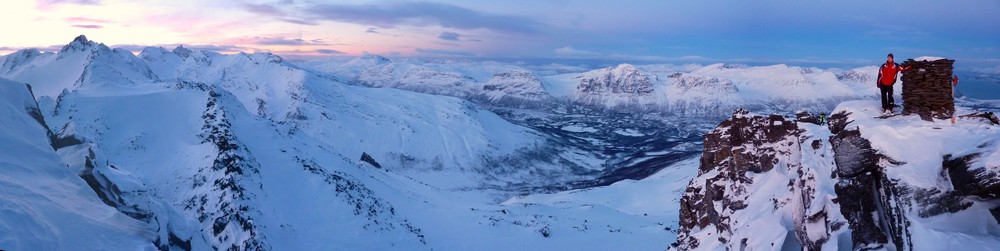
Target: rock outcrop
x=768 y=183
x=753 y=191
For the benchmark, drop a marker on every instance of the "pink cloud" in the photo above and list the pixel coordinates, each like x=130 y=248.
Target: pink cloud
x=87 y=20
x=49 y=4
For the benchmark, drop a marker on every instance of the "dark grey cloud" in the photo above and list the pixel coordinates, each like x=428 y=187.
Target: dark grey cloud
x=450 y=36
x=329 y=52
x=88 y=26
x=299 y=21
x=421 y=14
x=444 y=52
x=264 y=9
x=275 y=11
x=275 y=40
x=284 y=41
x=372 y=30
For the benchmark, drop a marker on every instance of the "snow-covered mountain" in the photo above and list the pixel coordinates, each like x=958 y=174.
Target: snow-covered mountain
x=194 y=150
x=199 y=150
x=515 y=88
x=80 y=63
x=621 y=86
x=625 y=87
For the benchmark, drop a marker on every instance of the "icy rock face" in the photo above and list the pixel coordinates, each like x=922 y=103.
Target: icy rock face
x=232 y=181
x=752 y=174
x=769 y=183
x=858 y=176
x=887 y=201
x=515 y=88
x=43 y=205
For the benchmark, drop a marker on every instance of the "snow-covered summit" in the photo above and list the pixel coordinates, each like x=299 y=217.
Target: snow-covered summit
x=623 y=79
x=928 y=58
x=81 y=43
x=620 y=86
x=899 y=183
x=516 y=88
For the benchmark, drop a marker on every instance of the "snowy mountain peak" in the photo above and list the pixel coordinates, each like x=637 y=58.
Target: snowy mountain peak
x=152 y=52
x=517 y=88
x=80 y=43
x=182 y=52
x=623 y=79
x=372 y=59
x=263 y=57
x=18 y=58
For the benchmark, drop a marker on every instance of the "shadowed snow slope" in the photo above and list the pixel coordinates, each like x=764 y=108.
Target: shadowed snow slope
x=43 y=204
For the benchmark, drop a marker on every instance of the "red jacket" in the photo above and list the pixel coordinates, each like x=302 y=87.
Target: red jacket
x=887 y=73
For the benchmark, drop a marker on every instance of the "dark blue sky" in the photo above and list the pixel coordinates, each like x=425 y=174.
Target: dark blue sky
x=824 y=33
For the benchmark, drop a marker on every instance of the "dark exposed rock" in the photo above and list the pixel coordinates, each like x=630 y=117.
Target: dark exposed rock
x=838 y=122
x=983 y=181
x=368 y=159
x=231 y=179
x=858 y=205
x=870 y=202
x=987 y=117
x=996 y=213
x=806 y=117
x=854 y=154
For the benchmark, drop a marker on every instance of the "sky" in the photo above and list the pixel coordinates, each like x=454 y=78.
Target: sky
x=671 y=31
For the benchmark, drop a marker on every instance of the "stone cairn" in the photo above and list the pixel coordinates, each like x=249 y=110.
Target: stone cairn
x=927 y=89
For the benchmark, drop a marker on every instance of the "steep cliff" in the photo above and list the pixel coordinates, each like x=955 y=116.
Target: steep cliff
x=859 y=183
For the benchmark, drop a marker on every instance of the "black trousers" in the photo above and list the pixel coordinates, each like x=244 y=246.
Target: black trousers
x=887 y=101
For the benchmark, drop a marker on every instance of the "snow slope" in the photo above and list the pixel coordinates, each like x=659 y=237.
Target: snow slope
x=43 y=204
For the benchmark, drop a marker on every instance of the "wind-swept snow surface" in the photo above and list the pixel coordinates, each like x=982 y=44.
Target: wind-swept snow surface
x=43 y=204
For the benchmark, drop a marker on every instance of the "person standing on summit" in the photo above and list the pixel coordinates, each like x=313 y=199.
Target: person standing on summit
x=886 y=78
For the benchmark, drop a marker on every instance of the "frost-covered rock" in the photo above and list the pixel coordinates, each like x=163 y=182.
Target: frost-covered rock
x=860 y=183
x=757 y=188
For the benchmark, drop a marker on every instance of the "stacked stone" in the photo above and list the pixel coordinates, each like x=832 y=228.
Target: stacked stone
x=927 y=88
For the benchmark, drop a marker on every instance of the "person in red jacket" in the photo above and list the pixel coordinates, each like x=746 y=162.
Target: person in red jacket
x=886 y=78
